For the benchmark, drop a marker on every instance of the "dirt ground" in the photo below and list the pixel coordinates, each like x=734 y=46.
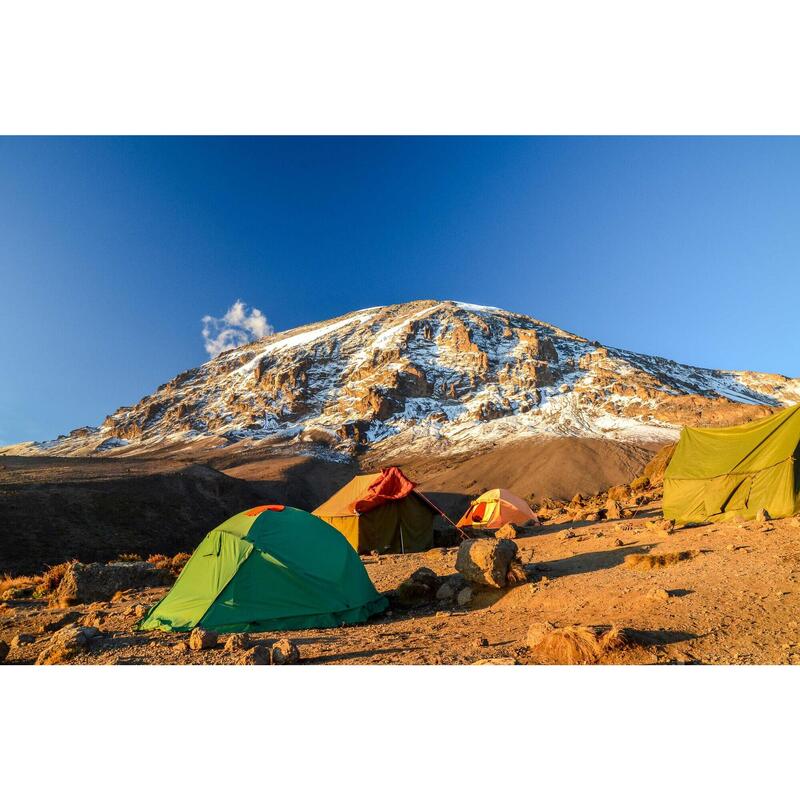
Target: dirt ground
x=737 y=601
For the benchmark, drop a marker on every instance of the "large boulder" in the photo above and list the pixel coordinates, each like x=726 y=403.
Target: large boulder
x=486 y=561
x=84 y=583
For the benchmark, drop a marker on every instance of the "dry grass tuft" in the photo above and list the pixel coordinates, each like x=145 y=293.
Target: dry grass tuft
x=20 y=586
x=571 y=645
x=657 y=561
x=578 y=644
x=129 y=557
x=173 y=564
x=614 y=639
x=50 y=580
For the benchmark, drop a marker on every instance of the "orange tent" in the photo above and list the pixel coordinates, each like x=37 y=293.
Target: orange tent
x=495 y=508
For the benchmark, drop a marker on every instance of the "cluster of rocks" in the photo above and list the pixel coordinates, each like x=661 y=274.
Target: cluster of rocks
x=479 y=562
x=248 y=650
x=618 y=502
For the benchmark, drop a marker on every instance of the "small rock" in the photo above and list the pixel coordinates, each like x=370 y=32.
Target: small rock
x=4 y=648
x=60 y=622
x=618 y=543
x=426 y=576
x=505 y=662
x=200 y=639
x=21 y=639
x=285 y=652
x=538 y=631
x=464 y=597
x=181 y=647
x=445 y=592
x=762 y=515
x=140 y=611
x=567 y=535
x=411 y=593
x=256 y=656
x=237 y=641
x=481 y=641
x=657 y=593
x=663 y=526
x=613 y=509
x=508 y=531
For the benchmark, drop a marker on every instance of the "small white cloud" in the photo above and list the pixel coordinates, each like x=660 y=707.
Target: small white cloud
x=237 y=327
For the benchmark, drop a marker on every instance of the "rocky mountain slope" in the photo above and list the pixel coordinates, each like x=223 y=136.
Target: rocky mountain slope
x=424 y=378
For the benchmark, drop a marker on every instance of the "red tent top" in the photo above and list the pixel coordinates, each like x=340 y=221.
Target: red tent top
x=391 y=484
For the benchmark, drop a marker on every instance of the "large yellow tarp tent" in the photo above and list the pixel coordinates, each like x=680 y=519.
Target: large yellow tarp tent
x=383 y=512
x=721 y=473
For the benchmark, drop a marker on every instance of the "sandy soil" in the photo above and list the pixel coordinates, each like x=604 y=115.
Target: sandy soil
x=736 y=602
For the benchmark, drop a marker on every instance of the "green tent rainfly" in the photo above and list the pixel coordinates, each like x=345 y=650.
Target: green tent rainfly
x=271 y=568
x=721 y=473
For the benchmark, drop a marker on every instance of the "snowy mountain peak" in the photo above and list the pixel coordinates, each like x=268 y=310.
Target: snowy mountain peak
x=425 y=377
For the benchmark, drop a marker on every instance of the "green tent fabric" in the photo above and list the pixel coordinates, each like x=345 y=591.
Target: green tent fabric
x=721 y=473
x=272 y=568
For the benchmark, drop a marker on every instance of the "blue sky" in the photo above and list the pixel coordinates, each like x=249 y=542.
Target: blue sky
x=112 y=250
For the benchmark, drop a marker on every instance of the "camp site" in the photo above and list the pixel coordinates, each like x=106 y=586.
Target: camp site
x=685 y=563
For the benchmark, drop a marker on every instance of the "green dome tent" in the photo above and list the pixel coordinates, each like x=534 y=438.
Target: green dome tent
x=271 y=568
x=721 y=473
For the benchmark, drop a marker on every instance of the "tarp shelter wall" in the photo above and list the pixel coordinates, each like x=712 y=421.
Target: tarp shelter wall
x=394 y=526
x=720 y=473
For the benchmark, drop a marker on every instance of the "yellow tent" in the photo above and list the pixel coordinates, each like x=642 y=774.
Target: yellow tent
x=382 y=512
x=495 y=508
x=722 y=473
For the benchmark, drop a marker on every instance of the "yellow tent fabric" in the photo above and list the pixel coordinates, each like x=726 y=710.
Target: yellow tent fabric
x=397 y=526
x=495 y=508
x=722 y=473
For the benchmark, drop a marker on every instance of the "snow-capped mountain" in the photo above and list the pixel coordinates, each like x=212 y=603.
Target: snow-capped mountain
x=427 y=377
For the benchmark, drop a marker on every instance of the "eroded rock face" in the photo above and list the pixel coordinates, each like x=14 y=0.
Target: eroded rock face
x=407 y=376
x=84 y=583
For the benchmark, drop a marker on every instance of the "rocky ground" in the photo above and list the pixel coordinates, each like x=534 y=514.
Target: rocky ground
x=732 y=598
